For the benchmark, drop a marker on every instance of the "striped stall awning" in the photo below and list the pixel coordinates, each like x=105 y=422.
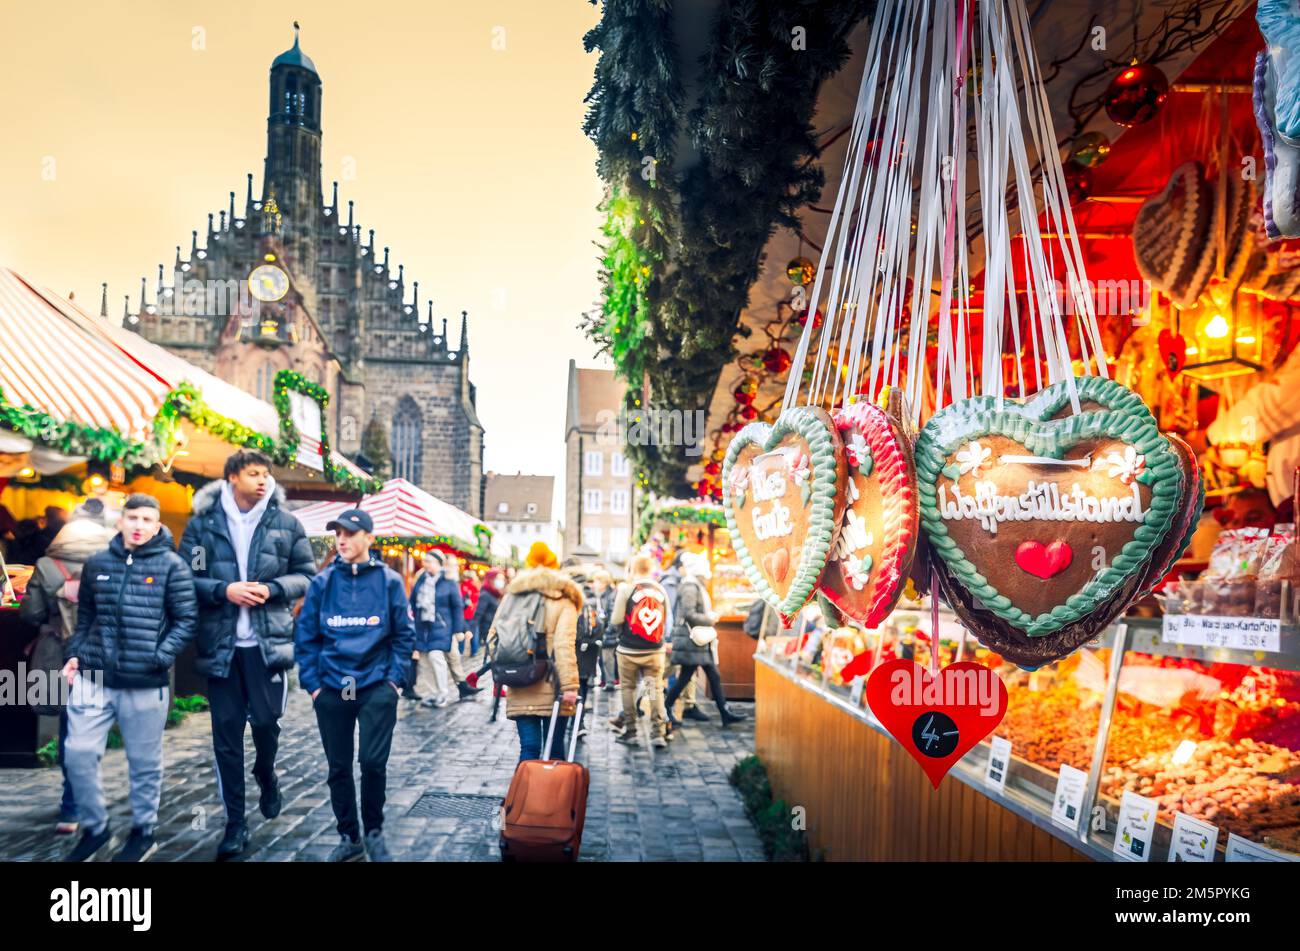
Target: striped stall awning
x=399 y=509
x=55 y=364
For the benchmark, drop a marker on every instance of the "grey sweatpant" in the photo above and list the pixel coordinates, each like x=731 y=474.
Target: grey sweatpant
x=140 y=716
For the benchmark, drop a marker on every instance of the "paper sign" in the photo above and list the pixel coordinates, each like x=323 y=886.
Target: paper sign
x=1193 y=840
x=855 y=690
x=1067 y=806
x=1137 y=821
x=1236 y=633
x=1244 y=850
x=305 y=414
x=995 y=774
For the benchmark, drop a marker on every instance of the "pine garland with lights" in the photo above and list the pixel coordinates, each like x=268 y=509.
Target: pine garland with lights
x=73 y=439
x=699 y=514
x=671 y=307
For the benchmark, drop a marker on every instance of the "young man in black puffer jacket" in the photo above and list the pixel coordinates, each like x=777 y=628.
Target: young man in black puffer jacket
x=136 y=612
x=252 y=562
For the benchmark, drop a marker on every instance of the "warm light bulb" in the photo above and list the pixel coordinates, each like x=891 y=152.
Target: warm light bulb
x=97 y=480
x=1217 y=328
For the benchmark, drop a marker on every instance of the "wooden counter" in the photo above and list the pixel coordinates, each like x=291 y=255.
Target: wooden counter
x=867 y=800
x=736 y=659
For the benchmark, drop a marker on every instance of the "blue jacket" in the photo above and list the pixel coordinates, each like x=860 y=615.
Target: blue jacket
x=434 y=633
x=354 y=628
x=136 y=612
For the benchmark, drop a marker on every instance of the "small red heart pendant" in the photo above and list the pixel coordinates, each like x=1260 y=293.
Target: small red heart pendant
x=1173 y=352
x=937 y=720
x=1044 y=561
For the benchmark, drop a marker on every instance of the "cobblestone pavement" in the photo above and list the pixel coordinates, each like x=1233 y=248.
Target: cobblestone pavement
x=644 y=805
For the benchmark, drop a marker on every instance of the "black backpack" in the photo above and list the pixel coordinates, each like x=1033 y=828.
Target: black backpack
x=590 y=634
x=519 y=648
x=754 y=619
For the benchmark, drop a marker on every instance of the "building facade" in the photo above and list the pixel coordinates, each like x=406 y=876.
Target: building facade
x=599 y=499
x=288 y=282
x=518 y=509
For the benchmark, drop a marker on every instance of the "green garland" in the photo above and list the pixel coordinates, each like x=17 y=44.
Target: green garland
x=73 y=439
x=677 y=515
x=286 y=452
x=671 y=305
x=186 y=401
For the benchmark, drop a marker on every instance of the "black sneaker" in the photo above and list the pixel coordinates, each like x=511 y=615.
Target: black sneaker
x=89 y=844
x=348 y=850
x=695 y=713
x=730 y=716
x=376 y=847
x=139 y=846
x=271 y=801
x=233 y=843
x=466 y=691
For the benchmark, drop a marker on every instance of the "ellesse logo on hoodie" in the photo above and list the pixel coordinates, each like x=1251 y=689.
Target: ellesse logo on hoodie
x=339 y=620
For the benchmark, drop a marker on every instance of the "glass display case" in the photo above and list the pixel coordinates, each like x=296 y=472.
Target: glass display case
x=1211 y=733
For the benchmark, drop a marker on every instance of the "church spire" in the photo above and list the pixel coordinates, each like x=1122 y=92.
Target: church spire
x=334 y=202
x=464 y=333
x=349 y=214
x=248 y=201
x=415 y=301
x=103 y=299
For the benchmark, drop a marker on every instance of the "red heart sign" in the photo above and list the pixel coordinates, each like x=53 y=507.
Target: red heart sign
x=1173 y=352
x=937 y=720
x=1044 y=561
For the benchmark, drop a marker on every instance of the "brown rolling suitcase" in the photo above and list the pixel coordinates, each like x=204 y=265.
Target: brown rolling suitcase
x=546 y=805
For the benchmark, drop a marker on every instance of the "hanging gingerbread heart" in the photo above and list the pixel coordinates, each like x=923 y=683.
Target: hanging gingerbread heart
x=936 y=719
x=877 y=541
x=1170 y=235
x=784 y=499
x=1046 y=524
x=1180 y=533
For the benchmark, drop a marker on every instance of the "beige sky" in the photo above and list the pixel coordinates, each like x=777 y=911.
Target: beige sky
x=470 y=161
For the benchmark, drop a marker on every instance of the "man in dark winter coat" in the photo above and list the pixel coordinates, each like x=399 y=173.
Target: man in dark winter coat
x=252 y=562
x=354 y=639
x=136 y=612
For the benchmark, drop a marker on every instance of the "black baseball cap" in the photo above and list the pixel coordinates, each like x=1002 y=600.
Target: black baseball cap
x=352 y=520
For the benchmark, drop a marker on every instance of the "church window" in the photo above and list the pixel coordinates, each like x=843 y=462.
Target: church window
x=407 y=450
x=265 y=386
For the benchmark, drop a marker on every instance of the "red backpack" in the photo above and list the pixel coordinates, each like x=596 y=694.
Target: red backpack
x=648 y=618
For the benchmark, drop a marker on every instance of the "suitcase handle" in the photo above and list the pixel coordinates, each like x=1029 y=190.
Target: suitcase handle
x=550 y=730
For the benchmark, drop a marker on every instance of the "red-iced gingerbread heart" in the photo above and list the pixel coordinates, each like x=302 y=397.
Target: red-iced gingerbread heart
x=1173 y=352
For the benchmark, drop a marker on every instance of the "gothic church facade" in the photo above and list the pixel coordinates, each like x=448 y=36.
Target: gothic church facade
x=321 y=300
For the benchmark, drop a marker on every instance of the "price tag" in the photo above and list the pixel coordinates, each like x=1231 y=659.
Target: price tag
x=1071 y=784
x=1244 y=850
x=995 y=774
x=1193 y=840
x=1137 y=821
x=858 y=685
x=1234 y=633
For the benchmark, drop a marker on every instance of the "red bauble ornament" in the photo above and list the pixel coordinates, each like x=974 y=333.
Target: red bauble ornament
x=803 y=318
x=712 y=468
x=1078 y=183
x=1136 y=95
x=748 y=412
x=776 y=360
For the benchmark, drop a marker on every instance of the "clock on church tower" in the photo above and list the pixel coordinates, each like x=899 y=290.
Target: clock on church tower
x=268 y=282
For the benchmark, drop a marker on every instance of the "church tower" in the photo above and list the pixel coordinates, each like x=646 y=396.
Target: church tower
x=291 y=178
x=331 y=306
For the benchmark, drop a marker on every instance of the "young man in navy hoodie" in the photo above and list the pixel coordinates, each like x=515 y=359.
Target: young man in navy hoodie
x=353 y=642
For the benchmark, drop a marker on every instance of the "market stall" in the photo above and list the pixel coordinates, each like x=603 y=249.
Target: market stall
x=88 y=409
x=408 y=523
x=671 y=525
x=1152 y=676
